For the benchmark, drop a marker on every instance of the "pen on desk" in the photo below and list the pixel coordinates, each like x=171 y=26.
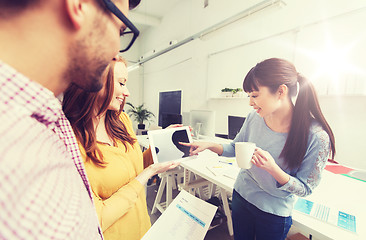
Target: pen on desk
x=228 y=176
x=210 y=170
x=226 y=162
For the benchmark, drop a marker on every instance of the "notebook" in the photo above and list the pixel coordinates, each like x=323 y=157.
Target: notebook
x=164 y=144
x=326 y=214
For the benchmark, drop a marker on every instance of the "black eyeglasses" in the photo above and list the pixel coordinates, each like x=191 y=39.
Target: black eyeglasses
x=128 y=35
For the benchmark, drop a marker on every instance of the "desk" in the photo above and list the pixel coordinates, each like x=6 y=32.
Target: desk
x=341 y=193
x=226 y=184
x=336 y=191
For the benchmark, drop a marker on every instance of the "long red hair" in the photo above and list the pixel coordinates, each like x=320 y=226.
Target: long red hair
x=82 y=107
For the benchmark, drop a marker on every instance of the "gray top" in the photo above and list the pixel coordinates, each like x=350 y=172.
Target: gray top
x=258 y=187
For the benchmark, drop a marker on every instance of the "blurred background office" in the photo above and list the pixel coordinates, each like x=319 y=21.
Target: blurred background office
x=196 y=48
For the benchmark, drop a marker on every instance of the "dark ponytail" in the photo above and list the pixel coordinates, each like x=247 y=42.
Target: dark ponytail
x=274 y=72
x=306 y=109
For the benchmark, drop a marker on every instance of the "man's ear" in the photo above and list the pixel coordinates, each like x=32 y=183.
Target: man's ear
x=76 y=12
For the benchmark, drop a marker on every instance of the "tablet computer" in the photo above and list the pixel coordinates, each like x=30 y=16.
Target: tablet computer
x=164 y=144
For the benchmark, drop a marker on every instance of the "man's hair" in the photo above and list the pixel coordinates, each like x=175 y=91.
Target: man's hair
x=134 y=3
x=17 y=4
x=10 y=7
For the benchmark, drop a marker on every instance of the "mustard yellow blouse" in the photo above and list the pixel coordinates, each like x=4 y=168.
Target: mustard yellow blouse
x=120 y=199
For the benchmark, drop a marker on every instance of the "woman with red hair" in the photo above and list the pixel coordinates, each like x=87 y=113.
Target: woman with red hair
x=116 y=167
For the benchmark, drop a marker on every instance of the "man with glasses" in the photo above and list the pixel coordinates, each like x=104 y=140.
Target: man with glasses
x=45 y=45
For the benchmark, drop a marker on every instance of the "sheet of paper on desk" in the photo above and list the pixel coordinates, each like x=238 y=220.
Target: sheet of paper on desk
x=326 y=214
x=186 y=218
x=224 y=167
x=222 y=170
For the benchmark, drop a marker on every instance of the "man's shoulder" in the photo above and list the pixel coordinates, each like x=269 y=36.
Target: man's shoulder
x=22 y=135
x=13 y=120
x=40 y=182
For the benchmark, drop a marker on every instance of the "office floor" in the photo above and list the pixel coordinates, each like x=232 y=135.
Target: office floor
x=218 y=233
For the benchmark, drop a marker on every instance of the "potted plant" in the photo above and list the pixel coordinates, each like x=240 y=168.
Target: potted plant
x=139 y=114
x=238 y=92
x=226 y=92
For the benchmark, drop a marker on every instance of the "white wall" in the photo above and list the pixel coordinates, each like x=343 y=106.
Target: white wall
x=301 y=31
x=346 y=115
x=135 y=79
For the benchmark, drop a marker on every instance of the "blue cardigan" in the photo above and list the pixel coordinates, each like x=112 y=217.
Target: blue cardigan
x=258 y=187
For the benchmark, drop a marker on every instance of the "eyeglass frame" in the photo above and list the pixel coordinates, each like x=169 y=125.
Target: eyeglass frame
x=114 y=9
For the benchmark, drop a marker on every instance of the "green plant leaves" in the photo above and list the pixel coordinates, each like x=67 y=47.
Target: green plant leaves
x=139 y=113
x=234 y=90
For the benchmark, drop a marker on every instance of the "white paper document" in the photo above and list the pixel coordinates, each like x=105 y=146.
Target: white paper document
x=222 y=166
x=186 y=218
x=326 y=214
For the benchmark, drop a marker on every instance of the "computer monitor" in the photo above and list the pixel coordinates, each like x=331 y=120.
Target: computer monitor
x=169 y=103
x=170 y=118
x=234 y=125
x=207 y=120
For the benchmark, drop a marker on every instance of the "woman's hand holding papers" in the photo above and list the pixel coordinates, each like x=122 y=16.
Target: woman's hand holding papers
x=197 y=147
x=154 y=169
x=163 y=167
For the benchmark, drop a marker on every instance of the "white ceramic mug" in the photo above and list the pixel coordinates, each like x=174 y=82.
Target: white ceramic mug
x=243 y=153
